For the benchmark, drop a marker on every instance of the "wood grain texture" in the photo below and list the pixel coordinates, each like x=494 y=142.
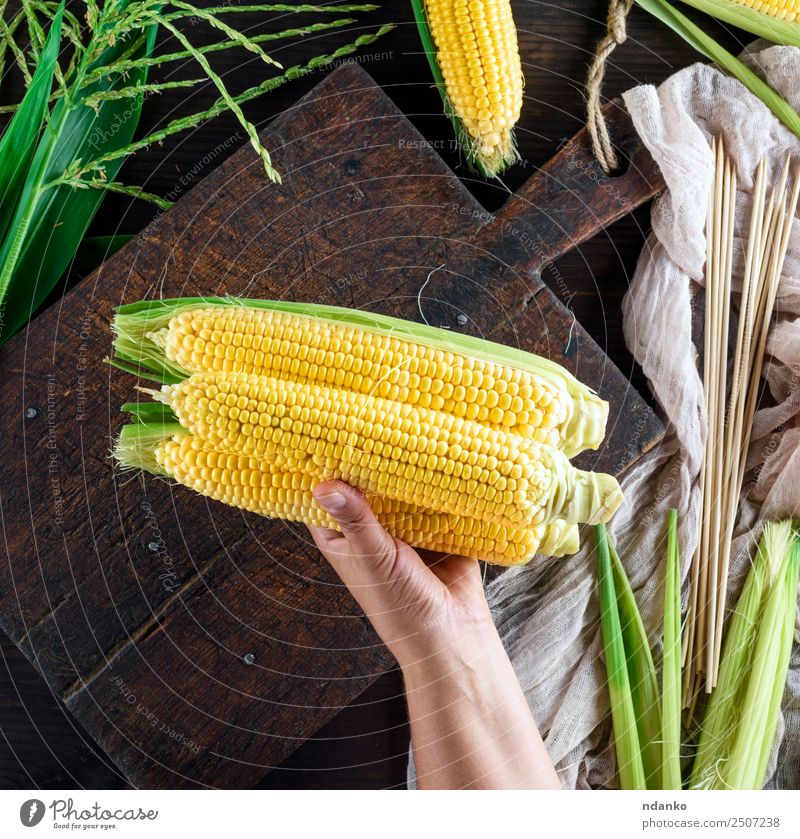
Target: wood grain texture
x=199 y=645
x=39 y=747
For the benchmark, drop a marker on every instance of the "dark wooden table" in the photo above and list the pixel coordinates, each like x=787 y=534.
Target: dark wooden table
x=365 y=746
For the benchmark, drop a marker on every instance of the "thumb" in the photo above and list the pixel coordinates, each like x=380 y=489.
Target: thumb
x=362 y=537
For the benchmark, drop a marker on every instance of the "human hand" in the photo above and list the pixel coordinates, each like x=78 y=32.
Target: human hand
x=470 y=723
x=420 y=603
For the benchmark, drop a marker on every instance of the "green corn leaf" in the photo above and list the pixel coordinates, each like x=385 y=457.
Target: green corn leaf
x=150 y=412
x=626 y=737
x=764 y=25
x=671 y=668
x=19 y=139
x=50 y=222
x=641 y=673
x=707 y=46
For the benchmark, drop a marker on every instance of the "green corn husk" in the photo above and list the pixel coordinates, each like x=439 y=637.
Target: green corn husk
x=641 y=673
x=766 y=679
x=707 y=46
x=626 y=736
x=775 y=29
x=671 y=667
x=739 y=725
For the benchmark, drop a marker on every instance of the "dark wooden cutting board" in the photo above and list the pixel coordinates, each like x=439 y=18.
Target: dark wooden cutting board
x=197 y=644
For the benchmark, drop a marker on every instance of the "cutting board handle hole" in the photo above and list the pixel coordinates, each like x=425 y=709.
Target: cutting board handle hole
x=624 y=164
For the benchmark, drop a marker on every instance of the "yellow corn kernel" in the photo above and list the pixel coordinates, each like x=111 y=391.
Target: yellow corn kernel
x=434 y=460
x=266 y=487
x=239 y=339
x=783 y=9
x=477 y=52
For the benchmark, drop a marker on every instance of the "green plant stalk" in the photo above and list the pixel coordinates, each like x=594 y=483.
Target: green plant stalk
x=626 y=737
x=713 y=51
x=287 y=7
x=232 y=105
x=219 y=46
x=220 y=106
x=641 y=673
x=772 y=28
x=671 y=667
x=244 y=42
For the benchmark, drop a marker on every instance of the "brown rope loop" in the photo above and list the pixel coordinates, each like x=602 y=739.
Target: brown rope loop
x=616 y=34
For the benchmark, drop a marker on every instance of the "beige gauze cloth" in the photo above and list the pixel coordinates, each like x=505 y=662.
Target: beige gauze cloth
x=547 y=613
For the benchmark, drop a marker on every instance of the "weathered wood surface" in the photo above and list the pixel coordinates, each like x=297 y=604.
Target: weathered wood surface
x=196 y=644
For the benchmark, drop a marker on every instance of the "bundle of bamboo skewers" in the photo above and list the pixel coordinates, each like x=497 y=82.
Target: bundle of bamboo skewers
x=731 y=406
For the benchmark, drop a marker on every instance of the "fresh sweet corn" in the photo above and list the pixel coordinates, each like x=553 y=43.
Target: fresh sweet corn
x=777 y=20
x=240 y=340
x=544 y=404
x=460 y=445
x=478 y=57
x=276 y=488
x=782 y=9
x=393 y=449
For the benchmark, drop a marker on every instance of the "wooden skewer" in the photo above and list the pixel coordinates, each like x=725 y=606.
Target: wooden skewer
x=730 y=415
x=739 y=378
x=783 y=229
x=726 y=223
x=712 y=326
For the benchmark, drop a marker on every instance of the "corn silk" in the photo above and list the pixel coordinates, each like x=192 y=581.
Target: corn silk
x=547 y=613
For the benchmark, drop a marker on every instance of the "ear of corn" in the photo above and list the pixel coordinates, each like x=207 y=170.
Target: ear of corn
x=741 y=717
x=713 y=51
x=472 y=49
x=393 y=449
x=168 y=340
x=459 y=443
x=776 y=20
x=280 y=487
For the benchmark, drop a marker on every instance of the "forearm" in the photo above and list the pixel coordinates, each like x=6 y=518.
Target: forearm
x=470 y=723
